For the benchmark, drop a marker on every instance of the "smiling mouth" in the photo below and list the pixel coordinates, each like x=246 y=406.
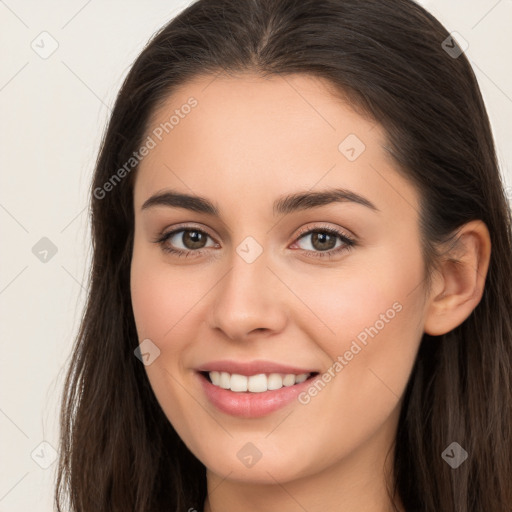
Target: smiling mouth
x=258 y=383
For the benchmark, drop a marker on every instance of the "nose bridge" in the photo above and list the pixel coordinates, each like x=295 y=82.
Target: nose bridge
x=248 y=297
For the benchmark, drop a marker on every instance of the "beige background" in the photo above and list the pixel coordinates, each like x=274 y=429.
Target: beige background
x=53 y=113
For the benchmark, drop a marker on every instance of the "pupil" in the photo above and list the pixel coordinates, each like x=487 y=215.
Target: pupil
x=192 y=239
x=321 y=238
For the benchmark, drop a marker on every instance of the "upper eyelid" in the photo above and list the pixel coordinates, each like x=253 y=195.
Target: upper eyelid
x=187 y=227
x=340 y=231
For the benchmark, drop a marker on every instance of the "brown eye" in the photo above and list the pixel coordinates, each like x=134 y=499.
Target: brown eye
x=193 y=239
x=322 y=242
x=185 y=241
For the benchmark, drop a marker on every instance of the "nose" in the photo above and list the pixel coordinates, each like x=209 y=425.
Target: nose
x=249 y=301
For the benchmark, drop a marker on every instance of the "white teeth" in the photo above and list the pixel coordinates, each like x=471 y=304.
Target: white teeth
x=224 y=380
x=289 y=380
x=301 y=378
x=238 y=382
x=274 y=381
x=255 y=383
x=215 y=377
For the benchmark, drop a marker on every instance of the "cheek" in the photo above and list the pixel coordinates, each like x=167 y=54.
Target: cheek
x=377 y=329
x=160 y=296
x=153 y=306
x=374 y=289
x=162 y=303
x=370 y=320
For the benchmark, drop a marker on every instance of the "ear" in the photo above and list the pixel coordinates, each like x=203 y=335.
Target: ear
x=459 y=285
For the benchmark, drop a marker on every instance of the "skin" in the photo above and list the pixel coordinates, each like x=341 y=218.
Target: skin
x=249 y=141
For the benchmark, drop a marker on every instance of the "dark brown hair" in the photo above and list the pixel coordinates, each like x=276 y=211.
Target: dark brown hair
x=119 y=452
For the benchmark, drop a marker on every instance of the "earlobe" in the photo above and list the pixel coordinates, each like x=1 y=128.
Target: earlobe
x=459 y=285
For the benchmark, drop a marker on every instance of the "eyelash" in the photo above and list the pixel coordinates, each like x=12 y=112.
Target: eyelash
x=349 y=243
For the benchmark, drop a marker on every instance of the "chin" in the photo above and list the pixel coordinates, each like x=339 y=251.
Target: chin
x=266 y=470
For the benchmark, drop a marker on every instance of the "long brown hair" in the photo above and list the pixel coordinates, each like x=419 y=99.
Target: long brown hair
x=118 y=451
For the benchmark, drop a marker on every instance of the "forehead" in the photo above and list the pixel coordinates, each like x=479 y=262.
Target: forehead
x=271 y=135
x=263 y=106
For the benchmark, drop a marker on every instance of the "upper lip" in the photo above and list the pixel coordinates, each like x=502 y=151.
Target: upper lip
x=252 y=367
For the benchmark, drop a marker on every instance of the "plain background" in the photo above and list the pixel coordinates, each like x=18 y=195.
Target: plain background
x=54 y=112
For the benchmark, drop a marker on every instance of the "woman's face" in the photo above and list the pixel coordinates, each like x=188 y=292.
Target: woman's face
x=256 y=291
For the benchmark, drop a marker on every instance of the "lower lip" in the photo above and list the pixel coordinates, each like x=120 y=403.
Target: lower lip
x=251 y=405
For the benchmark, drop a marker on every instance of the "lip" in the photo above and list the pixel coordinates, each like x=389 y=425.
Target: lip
x=252 y=367
x=252 y=405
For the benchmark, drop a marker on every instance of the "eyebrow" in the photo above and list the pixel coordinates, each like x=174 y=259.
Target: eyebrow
x=298 y=201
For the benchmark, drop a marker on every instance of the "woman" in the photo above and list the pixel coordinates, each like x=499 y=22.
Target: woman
x=300 y=293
